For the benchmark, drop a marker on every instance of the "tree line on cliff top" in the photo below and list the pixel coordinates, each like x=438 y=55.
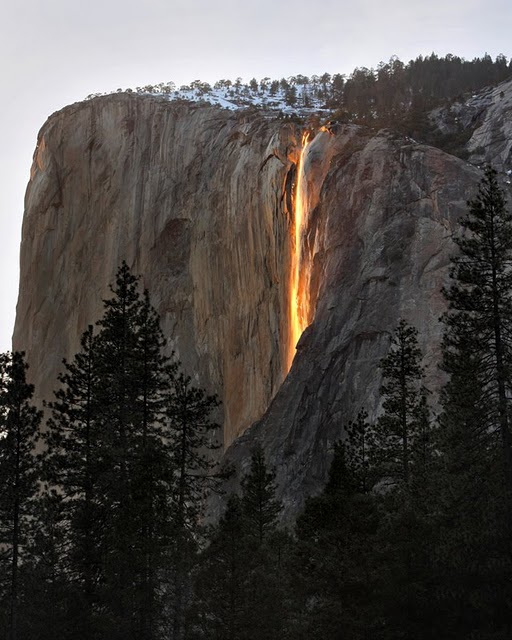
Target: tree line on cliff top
x=394 y=94
x=101 y=535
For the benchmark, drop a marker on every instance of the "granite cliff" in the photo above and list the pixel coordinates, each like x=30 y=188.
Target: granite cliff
x=193 y=198
x=200 y=201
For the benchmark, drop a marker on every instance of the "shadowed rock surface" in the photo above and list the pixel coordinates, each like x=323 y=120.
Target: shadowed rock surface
x=383 y=227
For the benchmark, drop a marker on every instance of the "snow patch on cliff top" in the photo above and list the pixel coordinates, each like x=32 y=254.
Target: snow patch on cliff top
x=294 y=99
x=297 y=101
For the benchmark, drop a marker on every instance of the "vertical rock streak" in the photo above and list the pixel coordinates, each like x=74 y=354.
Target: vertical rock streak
x=300 y=264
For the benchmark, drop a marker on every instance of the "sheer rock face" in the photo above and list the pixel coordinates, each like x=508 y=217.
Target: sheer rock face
x=198 y=200
x=193 y=198
x=382 y=227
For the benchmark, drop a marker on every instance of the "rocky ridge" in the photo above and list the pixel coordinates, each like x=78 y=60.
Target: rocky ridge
x=486 y=119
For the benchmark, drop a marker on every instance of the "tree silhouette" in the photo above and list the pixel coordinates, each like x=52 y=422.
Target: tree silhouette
x=19 y=426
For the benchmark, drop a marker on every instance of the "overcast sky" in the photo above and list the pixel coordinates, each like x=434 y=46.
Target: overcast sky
x=54 y=52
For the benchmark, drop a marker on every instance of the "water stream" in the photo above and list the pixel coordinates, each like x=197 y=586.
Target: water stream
x=300 y=268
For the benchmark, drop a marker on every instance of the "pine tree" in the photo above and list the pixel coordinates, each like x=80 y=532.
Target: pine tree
x=135 y=379
x=401 y=451
x=74 y=469
x=240 y=583
x=401 y=432
x=261 y=509
x=220 y=586
x=127 y=461
x=479 y=322
x=109 y=459
x=55 y=603
x=475 y=479
x=192 y=439
x=19 y=426
x=267 y=548
x=359 y=439
x=337 y=577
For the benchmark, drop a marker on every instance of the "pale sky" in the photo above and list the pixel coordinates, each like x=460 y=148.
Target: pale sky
x=55 y=52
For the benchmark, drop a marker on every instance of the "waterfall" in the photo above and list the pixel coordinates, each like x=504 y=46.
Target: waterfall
x=300 y=267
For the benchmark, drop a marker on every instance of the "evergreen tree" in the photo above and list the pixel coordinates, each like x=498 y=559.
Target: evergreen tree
x=290 y=95
x=192 y=439
x=475 y=479
x=127 y=461
x=401 y=433
x=19 y=426
x=401 y=452
x=478 y=334
x=135 y=379
x=110 y=461
x=261 y=509
x=55 y=604
x=220 y=586
x=241 y=579
x=267 y=548
x=359 y=440
x=74 y=469
x=336 y=575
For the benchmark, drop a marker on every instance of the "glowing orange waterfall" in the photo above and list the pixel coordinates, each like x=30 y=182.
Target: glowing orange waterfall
x=299 y=281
